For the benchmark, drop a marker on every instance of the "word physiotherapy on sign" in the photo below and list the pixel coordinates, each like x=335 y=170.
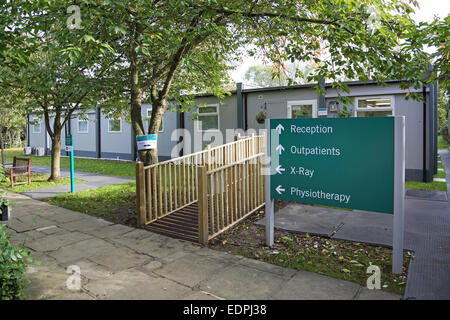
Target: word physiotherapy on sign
x=345 y=163
x=356 y=163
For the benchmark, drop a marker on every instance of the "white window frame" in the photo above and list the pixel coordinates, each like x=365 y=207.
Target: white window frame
x=391 y=108
x=301 y=102
x=217 y=113
x=109 y=126
x=33 y=126
x=148 y=120
x=78 y=125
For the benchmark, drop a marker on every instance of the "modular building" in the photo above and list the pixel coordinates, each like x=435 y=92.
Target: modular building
x=214 y=121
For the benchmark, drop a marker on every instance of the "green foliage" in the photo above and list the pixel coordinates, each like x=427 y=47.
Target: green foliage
x=445 y=130
x=261 y=117
x=13 y=265
x=344 y=113
x=2 y=173
x=4 y=201
x=442 y=144
x=442 y=116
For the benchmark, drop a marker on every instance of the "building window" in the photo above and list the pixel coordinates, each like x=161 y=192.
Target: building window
x=149 y=116
x=36 y=126
x=208 y=118
x=83 y=125
x=374 y=107
x=115 y=125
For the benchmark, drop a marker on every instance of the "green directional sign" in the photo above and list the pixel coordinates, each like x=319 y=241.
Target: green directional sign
x=346 y=163
x=69 y=141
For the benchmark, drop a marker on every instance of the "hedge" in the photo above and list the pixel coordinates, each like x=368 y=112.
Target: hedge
x=13 y=265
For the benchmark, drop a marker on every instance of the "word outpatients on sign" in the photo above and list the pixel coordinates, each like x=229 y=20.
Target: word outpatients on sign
x=147 y=142
x=345 y=163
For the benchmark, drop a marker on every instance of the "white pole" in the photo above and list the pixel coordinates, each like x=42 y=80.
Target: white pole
x=269 y=201
x=399 y=194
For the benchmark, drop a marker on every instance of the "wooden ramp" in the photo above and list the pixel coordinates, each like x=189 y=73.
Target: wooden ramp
x=182 y=224
x=198 y=196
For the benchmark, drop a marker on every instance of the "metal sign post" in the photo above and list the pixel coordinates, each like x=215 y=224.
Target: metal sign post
x=356 y=163
x=69 y=148
x=270 y=217
x=399 y=196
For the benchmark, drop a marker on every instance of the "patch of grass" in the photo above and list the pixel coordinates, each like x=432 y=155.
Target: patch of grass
x=38 y=181
x=338 y=259
x=440 y=174
x=115 y=203
x=442 y=144
x=107 y=167
x=430 y=186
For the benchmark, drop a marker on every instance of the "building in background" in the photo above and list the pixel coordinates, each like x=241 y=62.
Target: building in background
x=211 y=119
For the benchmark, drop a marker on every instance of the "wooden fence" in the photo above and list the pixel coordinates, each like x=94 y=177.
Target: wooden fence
x=168 y=186
x=228 y=194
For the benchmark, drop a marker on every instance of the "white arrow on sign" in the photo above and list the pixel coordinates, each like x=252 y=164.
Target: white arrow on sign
x=279 y=128
x=279 y=149
x=279 y=169
x=279 y=189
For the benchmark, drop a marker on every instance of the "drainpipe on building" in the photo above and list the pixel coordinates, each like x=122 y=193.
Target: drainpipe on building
x=321 y=98
x=99 y=131
x=424 y=169
x=28 y=129
x=245 y=111
x=240 y=109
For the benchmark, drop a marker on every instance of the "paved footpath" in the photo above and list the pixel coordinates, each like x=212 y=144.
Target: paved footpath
x=119 y=262
x=92 y=181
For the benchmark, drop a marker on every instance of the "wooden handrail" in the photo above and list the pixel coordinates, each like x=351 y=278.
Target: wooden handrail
x=234 y=163
x=165 y=187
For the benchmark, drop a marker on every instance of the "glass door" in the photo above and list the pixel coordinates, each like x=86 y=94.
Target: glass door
x=302 y=109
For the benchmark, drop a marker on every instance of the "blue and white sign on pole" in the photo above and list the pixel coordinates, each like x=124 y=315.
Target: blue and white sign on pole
x=147 y=142
x=69 y=148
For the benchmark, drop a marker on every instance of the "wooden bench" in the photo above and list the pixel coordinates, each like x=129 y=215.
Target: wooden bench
x=20 y=167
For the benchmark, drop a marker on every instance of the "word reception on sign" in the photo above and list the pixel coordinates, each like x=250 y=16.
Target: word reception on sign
x=147 y=142
x=355 y=163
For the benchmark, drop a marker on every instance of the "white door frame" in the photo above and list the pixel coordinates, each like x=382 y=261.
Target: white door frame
x=301 y=102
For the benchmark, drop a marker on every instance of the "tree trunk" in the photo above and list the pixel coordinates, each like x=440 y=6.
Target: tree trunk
x=2 y=147
x=56 y=157
x=158 y=110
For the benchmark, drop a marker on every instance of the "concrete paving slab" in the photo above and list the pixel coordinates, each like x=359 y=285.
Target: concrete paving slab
x=46 y=282
x=365 y=234
x=26 y=223
x=122 y=259
x=83 y=249
x=110 y=231
x=63 y=215
x=190 y=270
x=240 y=282
x=307 y=219
x=135 y=285
x=366 y=294
x=86 y=224
x=56 y=241
x=426 y=195
x=151 y=266
x=312 y=286
x=201 y=295
x=92 y=271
